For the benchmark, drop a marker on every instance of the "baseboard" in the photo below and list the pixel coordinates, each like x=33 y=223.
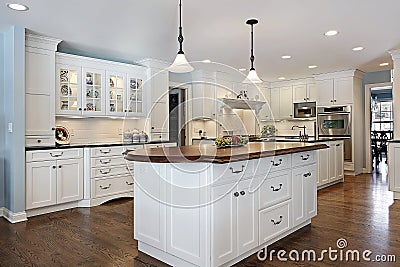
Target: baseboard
x=87 y=203
x=50 y=209
x=396 y=195
x=14 y=217
x=1 y=212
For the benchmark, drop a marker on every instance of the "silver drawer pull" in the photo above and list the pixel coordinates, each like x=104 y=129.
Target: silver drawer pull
x=128 y=183
x=237 y=171
x=105 y=161
x=105 y=187
x=105 y=171
x=277 y=222
x=305 y=158
x=307 y=174
x=105 y=151
x=276 y=189
x=276 y=164
x=56 y=155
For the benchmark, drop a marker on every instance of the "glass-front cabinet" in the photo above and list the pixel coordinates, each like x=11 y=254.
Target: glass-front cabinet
x=116 y=93
x=94 y=93
x=68 y=90
x=135 y=95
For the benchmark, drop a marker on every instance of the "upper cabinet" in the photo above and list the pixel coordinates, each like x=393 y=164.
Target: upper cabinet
x=304 y=93
x=337 y=88
x=93 y=87
x=39 y=89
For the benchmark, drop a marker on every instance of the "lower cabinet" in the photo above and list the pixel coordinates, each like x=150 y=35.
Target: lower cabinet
x=234 y=218
x=304 y=197
x=53 y=178
x=331 y=163
x=394 y=169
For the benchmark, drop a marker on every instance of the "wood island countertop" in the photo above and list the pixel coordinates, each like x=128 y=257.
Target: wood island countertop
x=212 y=154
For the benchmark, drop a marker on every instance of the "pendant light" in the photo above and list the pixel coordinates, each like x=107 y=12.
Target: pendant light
x=180 y=65
x=252 y=77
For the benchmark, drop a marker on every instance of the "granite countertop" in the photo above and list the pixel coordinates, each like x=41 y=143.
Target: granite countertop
x=55 y=146
x=311 y=139
x=212 y=154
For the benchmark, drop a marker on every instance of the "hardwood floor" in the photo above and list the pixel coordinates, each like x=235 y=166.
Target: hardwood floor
x=361 y=211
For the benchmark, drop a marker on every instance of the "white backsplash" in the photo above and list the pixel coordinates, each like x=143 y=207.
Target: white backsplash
x=99 y=130
x=284 y=128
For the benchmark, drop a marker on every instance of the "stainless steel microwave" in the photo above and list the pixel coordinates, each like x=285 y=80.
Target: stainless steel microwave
x=305 y=110
x=334 y=121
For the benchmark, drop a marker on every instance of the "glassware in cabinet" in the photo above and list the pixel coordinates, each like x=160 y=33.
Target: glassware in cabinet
x=94 y=93
x=68 y=89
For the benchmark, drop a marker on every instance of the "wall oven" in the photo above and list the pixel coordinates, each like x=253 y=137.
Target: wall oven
x=304 y=110
x=336 y=122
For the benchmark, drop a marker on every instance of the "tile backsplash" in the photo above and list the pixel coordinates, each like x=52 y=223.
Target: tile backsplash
x=100 y=130
x=284 y=128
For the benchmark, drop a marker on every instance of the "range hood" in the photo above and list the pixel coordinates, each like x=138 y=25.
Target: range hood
x=241 y=104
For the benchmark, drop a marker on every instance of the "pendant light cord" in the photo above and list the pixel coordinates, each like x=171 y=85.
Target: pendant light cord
x=180 y=37
x=252 y=49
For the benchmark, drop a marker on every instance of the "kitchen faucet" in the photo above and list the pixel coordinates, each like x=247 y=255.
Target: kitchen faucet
x=304 y=136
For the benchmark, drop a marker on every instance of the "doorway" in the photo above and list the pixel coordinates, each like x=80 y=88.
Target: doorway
x=177 y=115
x=379 y=125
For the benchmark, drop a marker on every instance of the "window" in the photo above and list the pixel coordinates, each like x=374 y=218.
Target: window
x=381 y=115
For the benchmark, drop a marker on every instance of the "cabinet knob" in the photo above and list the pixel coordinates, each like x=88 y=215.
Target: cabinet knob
x=53 y=129
x=84 y=109
x=242 y=193
x=126 y=110
x=304 y=98
x=334 y=100
x=80 y=109
x=60 y=166
x=39 y=141
x=236 y=194
x=54 y=167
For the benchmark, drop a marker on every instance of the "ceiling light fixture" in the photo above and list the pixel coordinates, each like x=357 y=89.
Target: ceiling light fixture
x=18 y=7
x=242 y=69
x=180 y=65
x=331 y=33
x=252 y=77
x=206 y=61
x=281 y=78
x=358 y=48
x=312 y=66
x=286 y=57
x=384 y=64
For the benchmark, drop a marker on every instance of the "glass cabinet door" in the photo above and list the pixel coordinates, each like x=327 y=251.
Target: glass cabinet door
x=68 y=90
x=94 y=92
x=116 y=94
x=135 y=96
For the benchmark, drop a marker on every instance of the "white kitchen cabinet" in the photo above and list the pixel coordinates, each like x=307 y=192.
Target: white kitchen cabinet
x=116 y=93
x=304 y=197
x=275 y=103
x=304 y=93
x=394 y=169
x=331 y=163
x=335 y=91
x=68 y=90
x=159 y=118
x=285 y=103
x=53 y=177
x=235 y=221
x=204 y=100
x=39 y=89
x=265 y=112
x=135 y=101
x=94 y=92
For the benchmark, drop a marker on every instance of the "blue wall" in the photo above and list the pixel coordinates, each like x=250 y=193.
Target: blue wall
x=2 y=122
x=14 y=112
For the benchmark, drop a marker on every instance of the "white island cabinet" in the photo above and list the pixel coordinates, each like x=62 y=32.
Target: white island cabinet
x=216 y=214
x=394 y=168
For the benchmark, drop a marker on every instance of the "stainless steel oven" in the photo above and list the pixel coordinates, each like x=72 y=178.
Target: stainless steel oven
x=334 y=121
x=304 y=110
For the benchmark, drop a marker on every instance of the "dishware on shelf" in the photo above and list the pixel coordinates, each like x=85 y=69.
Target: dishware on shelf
x=89 y=107
x=133 y=84
x=62 y=136
x=111 y=82
x=96 y=94
x=64 y=76
x=112 y=107
x=89 y=79
x=64 y=104
x=65 y=90
x=89 y=92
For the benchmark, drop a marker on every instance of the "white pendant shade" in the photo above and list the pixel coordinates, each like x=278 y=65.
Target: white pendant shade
x=180 y=65
x=252 y=77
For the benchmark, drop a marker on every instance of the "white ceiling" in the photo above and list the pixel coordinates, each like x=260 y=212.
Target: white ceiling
x=132 y=30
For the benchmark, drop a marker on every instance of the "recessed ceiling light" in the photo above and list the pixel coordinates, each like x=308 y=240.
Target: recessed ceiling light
x=358 y=48
x=242 y=69
x=281 y=78
x=331 y=33
x=206 y=61
x=384 y=64
x=312 y=66
x=18 y=7
x=286 y=57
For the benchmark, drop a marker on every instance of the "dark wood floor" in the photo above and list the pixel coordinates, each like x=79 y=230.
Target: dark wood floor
x=361 y=210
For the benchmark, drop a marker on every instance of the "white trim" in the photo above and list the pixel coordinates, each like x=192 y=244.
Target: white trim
x=367 y=118
x=44 y=210
x=43 y=42
x=14 y=217
x=339 y=74
x=396 y=195
x=1 y=212
x=87 y=203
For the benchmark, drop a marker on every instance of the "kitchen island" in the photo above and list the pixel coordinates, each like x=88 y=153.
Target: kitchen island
x=207 y=206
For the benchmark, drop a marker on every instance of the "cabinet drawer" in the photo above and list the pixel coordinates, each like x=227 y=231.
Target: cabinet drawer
x=54 y=154
x=111 y=186
x=233 y=171
x=32 y=141
x=264 y=166
x=110 y=171
x=303 y=158
x=274 y=221
x=112 y=151
x=108 y=161
x=275 y=189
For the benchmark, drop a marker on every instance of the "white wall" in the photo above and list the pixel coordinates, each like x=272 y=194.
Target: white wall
x=99 y=130
x=2 y=121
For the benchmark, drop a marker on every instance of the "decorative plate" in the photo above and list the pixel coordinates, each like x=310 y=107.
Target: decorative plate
x=96 y=94
x=111 y=83
x=89 y=106
x=64 y=76
x=65 y=89
x=62 y=135
x=133 y=84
